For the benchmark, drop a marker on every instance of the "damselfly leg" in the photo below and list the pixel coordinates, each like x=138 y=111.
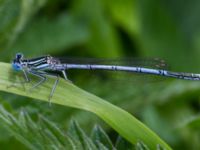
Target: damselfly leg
x=54 y=85
x=64 y=75
x=43 y=76
x=39 y=75
x=26 y=80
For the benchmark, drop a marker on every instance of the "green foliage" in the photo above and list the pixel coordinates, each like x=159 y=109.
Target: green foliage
x=63 y=30
x=107 y=28
x=44 y=134
x=34 y=135
x=14 y=15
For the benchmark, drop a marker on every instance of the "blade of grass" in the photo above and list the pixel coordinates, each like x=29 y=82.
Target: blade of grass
x=69 y=95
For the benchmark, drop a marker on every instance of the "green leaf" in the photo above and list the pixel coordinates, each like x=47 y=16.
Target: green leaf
x=14 y=16
x=34 y=135
x=10 y=122
x=99 y=136
x=124 y=13
x=141 y=146
x=102 y=147
x=122 y=144
x=152 y=118
x=61 y=137
x=69 y=95
x=84 y=142
x=54 y=34
x=169 y=29
x=191 y=122
x=103 y=38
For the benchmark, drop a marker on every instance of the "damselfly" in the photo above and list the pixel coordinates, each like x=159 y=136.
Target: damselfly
x=42 y=67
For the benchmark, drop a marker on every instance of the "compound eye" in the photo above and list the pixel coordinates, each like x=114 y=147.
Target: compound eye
x=16 y=67
x=19 y=56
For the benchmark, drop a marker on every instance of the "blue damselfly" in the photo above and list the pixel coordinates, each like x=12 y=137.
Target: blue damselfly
x=42 y=67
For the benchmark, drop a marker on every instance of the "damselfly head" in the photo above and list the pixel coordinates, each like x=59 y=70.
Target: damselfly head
x=16 y=64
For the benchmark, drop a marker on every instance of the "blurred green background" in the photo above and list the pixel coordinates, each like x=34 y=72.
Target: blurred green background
x=166 y=29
